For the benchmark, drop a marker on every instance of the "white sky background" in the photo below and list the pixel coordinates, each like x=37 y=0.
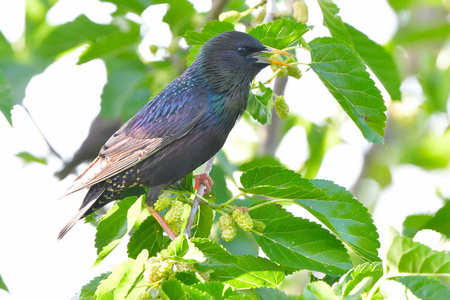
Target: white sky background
x=65 y=98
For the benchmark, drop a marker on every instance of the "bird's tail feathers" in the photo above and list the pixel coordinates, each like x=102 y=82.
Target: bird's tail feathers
x=79 y=214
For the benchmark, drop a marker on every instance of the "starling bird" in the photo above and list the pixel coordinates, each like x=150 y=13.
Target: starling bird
x=182 y=127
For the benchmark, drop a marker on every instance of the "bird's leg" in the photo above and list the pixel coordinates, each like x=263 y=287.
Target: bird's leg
x=206 y=180
x=161 y=222
x=152 y=196
x=201 y=191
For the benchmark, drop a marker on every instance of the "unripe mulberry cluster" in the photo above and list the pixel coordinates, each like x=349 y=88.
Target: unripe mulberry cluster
x=173 y=216
x=157 y=269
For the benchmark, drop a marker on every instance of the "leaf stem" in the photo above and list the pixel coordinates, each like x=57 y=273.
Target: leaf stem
x=270 y=202
x=234 y=198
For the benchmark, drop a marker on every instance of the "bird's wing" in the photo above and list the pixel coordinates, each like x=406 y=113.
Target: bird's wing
x=155 y=126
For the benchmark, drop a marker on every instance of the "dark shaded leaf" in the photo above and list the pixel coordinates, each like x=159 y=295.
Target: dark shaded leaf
x=148 y=236
x=260 y=105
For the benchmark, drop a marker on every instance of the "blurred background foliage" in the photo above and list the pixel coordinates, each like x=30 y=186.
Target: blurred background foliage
x=417 y=124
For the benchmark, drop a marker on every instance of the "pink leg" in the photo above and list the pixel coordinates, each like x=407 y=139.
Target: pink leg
x=205 y=180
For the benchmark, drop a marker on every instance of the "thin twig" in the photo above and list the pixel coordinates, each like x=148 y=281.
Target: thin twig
x=201 y=189
x=52 y=150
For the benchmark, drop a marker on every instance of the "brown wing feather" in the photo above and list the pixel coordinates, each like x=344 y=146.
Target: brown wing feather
x=122 y=152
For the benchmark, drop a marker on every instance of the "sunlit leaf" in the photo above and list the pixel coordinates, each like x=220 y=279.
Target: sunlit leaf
x=118 y=284
x=378 y=60
x=117 y=222
x=425 y=288
x=317 y=290
x=280 y=33
x=6 y=98
x=299 y=243
x=88 y=291
x=250 y=271
x=406 y=256
x=29 y=158
x=344 y=74
x=333 y=21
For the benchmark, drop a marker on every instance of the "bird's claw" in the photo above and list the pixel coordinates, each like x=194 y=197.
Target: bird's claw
x=206 y=180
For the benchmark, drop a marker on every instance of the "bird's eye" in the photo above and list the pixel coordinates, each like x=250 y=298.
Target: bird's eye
x=242 y=51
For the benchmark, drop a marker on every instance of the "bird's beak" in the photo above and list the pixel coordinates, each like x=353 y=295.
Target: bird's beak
x=271 y=61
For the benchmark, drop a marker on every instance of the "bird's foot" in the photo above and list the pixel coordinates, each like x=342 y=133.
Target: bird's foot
x=205 y=180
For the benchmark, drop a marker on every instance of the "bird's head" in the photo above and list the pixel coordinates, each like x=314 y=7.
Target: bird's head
x=231 y=59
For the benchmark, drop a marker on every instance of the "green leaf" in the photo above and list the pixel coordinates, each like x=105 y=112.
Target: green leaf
x=406 y=256
x=358 y=280
x=117 y=222
x=346 y=217
x=122 y=280
x=425 y=288
x=378 y=60
x=197 y=39
x=126 y=90
x=209 y=30
x=88 y=291
x=72 y=34
x=333 y=21
x=6 y=50
x=317 y=290
x=279 y=182
x=299 y=243
x=249 y=272
x=280 y=33
x=110 y=45
x=260 y=105
x=265 y=293
x=29 y=158
x=179 y=17
x=136 y=6
x=3 y=285
x=218 y=290
x=173 y=289
x=344 y=74
x=216 y=255
x=260 y=161
x=6 y=98
x=440 y=222
x=205 y=218
x=184 y=250
x=148 y=236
